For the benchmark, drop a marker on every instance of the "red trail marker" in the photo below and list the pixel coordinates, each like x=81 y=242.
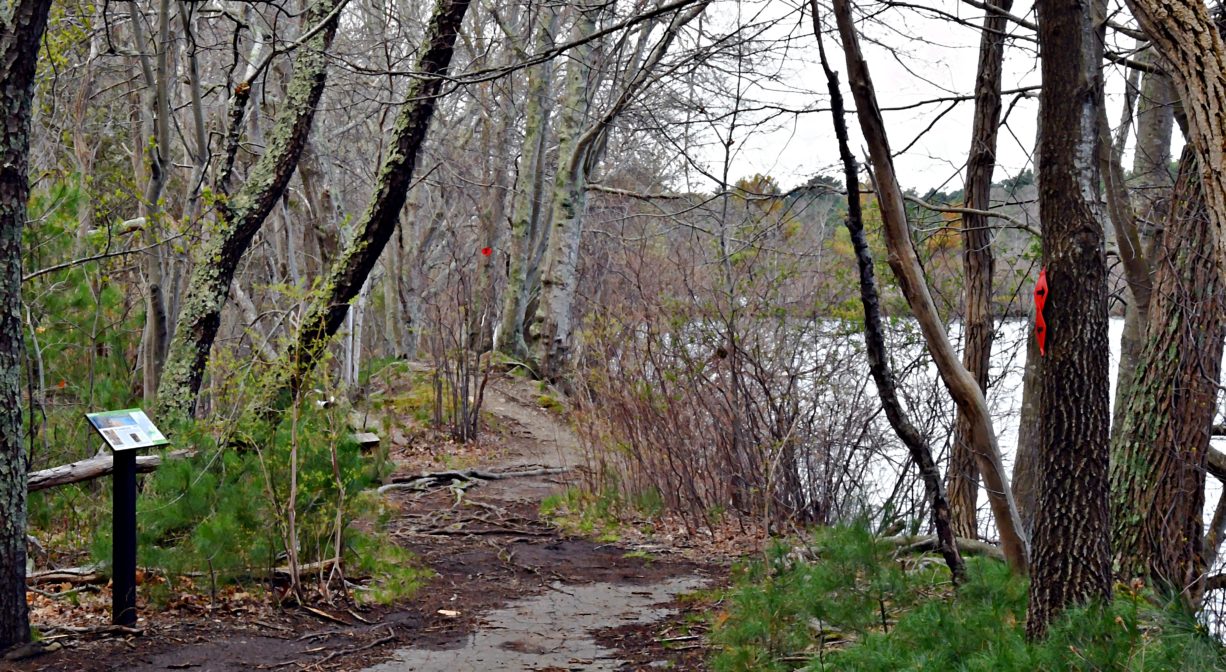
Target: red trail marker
x=1040 y=298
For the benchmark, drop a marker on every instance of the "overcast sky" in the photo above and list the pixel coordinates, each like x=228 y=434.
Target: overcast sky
x=915 y=58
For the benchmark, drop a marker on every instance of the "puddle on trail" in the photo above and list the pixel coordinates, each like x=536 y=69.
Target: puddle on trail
x=552 y=630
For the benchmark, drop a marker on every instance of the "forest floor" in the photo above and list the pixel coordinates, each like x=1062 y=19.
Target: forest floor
x=511 y=590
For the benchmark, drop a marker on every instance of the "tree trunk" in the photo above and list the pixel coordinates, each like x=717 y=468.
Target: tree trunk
x=569 y=201
x=241 y=217
x=905 y=263
x=1151 y=170
x=578 y=154
x=155 y=122
x=374 y=229
x=22 y=24
x=978 y=264
x=1187 y=38
x=1026 y=457
x=1158 y=457
x=1070 y=558
x=529 y=203
x=874 y=333
x=1155 y=122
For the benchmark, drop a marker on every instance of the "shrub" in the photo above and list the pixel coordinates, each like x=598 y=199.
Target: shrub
x=857 y=607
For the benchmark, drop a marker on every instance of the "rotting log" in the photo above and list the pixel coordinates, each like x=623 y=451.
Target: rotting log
x=73 y=575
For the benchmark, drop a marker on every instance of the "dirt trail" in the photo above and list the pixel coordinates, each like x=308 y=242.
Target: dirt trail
x=555 y=601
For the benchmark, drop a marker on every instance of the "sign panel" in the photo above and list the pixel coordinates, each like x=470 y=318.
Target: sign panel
x=128 y=429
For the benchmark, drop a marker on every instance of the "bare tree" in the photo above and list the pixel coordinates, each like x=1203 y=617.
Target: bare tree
x=374 y=229
x=874 y=334
x=903 y=261
x=580 y=148
x=244 y=213
x=529 y=228
x=1187 y=38
x=1158 y=455
x=978 y=262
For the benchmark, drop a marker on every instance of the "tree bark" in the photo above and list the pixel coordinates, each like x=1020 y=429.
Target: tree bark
x=374 y=229
x=1152 y=184
x=1158 y=457
x=155 y=123
x=569 y=200
x=978 y=263
x=22 y=24
x=874 y=333
x=241 y=217
x=1187 y=38
x=905 y=263
x=529 y=203
x=1070 y=559
x=579 y=152
x=1026 y=458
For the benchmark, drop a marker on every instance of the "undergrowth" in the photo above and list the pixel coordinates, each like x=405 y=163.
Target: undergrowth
x=221 y=513
x=855 y=606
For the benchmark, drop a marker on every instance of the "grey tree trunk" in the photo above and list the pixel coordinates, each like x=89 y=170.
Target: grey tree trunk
x=1151 y=188
x=978 y=264
x=155 y=122
x=578 y=155
x=1026 y=458
x=569 y=200
x=22 y=24
x=241 y=217
x=1070 y=554
x=529 y=204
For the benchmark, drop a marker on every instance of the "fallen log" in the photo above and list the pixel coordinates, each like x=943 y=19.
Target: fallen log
x=97 y=466
x=925 y=543
x=74 y=575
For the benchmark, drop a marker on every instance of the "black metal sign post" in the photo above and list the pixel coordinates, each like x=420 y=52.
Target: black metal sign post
x=123 y=534
x=125 y=432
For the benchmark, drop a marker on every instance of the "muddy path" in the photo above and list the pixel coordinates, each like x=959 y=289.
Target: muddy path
x=515 y=593
x=511 y=591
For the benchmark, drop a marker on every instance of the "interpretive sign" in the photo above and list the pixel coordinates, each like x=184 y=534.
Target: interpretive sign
x=124 y=431
x=127 y=429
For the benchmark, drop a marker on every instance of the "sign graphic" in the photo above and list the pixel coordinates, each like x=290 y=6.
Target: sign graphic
x=128 y=429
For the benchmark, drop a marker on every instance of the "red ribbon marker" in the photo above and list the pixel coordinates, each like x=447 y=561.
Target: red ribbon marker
x=1040 y=298
x=487 y=251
